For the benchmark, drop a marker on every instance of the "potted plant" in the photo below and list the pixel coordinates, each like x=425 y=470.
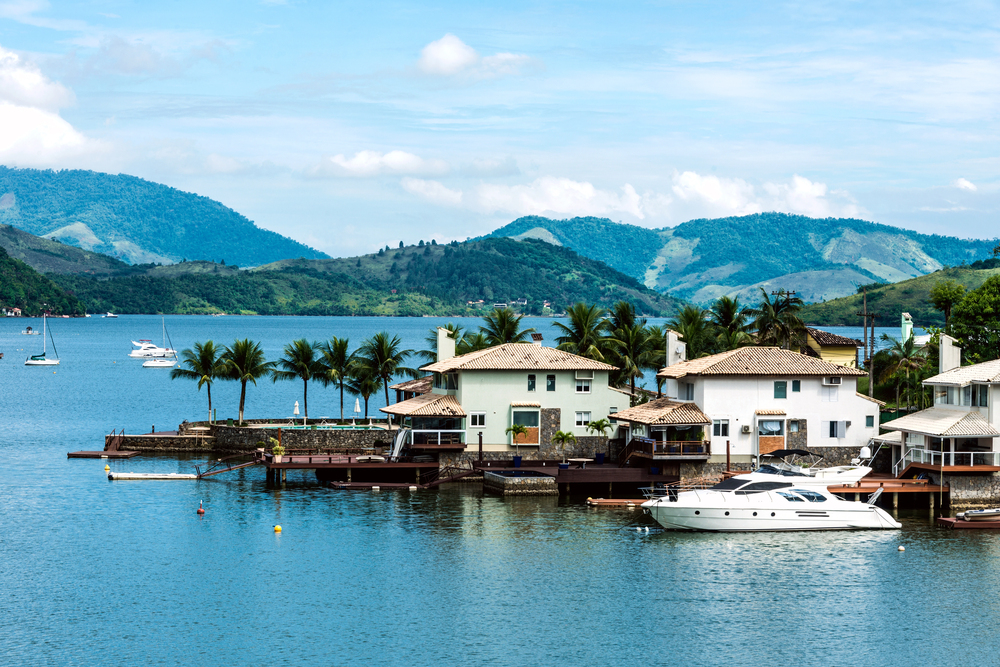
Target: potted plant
x=563 y=438
x=276 y=449
x=600 y=426
x=517 y=431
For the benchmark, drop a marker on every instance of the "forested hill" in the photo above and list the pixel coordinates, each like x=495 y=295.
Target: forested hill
x=136 y=220
x=23 y=287
x=415 y=280
x=909 y=296
x=701 y=260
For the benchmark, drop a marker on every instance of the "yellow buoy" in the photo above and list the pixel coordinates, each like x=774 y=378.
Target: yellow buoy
x=106 y=467
x=277 y=529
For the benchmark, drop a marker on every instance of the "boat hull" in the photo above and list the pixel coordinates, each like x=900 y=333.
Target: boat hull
x=41 y=362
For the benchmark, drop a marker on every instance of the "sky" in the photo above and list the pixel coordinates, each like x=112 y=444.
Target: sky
x=353 y=125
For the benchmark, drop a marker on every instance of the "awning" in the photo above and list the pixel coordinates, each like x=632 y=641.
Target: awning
x=770 y=412
x=663 y=411
x=524 y=404
x=427 y=405
x=944 y=423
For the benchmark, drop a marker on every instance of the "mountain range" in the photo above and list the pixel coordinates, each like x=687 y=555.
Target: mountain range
x=701 y=260
x=136 y=220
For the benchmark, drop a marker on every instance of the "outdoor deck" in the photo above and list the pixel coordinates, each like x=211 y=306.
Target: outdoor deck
x=102 y=454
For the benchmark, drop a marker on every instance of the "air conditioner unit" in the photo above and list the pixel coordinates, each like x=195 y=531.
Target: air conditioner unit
x=832 y=381
x=745 y=428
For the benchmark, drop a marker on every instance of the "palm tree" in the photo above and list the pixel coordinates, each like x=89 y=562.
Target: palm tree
x=336 y=363
x=362 y=383
x=692 y=324
x=561 y=439
x=300 y=363
x=777 y=322
x=631 y=351
x=203 y=365
x=431 y=353
x=245 y=362
x=472 y=342
x=905 y=356
x=584 y=335
x=517 y=430
x=622 y=315
x=381 y=357
x=601 y=427
x=727 y=314
x=503 y=326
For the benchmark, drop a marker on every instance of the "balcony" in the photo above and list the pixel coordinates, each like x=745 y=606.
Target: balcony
x=928 y=459
x=698 y=450
x=438 y=440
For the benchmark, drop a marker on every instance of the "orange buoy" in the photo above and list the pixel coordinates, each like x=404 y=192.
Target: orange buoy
x=201 y=510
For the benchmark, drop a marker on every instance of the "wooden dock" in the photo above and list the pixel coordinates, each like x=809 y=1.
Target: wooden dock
x=101 y=455
x=615 y=502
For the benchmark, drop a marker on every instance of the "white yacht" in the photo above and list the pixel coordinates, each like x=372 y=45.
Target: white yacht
x=790 y=465
x=146 y=349
x=168 y=360
x=108 y=316
x=743 y=505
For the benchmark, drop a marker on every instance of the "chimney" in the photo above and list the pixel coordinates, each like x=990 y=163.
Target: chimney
x=906 y=328
x=446 y=344
x=536 y=338
x=676 y=349
x=949 y=354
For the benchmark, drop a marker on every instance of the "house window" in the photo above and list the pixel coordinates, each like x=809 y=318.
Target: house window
x=796 y=386
x=838 y=429
x=793 y=426
x=582 y=418
x=583 y=386
x=687 y=391
x=612 y=411
x=531 y=383
x=447 y=381
x=771 y=427
x=967 y=395
x=980 y=395
x=477 y=419
x=829 y=394
x=780 y=389
x=550 y=383
x=720 y=428
x=529 y=419
x=870 y=421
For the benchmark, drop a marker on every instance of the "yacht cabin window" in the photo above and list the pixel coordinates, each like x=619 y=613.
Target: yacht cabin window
x=790 y=497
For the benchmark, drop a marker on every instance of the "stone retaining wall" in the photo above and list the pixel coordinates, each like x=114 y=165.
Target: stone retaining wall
x=168 y=443
x=245 y=439
x=971 y=491
x=520 y=486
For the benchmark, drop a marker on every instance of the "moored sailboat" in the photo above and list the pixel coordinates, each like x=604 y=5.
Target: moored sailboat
x=41 y=359
x=169 y=359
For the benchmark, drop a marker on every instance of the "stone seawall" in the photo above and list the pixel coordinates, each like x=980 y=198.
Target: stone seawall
x=507 y=485
x=238 y=440
x=168 y=443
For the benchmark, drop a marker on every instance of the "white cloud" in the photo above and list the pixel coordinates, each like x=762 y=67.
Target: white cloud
x=550 y=194
x=31 y=131
x=963 y=184
x=721 y=195
x=432 y=191
x=450 y=56
x=22 y=83
x=373 y=163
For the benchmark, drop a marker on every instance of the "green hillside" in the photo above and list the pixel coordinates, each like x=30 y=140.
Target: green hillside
x=23 y=287
x=701 y=260
x=416 y=280
x=909 y=296
x=136 y=220
x=47 y=256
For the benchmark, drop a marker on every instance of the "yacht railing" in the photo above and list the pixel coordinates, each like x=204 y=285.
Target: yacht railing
x=946 y=458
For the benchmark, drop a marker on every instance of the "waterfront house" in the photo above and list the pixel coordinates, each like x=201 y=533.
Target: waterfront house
x=958 y=437
x=485 y=392
x=754 y=400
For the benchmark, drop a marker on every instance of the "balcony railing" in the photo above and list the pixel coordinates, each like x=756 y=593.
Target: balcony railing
x=426 y=437
x=670 y=447
x=945 y=459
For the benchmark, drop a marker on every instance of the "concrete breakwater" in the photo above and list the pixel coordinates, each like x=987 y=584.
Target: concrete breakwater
x=516 y=483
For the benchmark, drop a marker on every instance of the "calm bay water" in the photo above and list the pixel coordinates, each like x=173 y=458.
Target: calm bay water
x=98 y=573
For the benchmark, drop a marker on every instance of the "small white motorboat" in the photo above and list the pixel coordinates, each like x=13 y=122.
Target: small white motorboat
x=992 y=514
x=108 y=316
x=28 y=331
x=746 y=505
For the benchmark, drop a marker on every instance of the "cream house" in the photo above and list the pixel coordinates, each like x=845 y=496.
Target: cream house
x=485 y=392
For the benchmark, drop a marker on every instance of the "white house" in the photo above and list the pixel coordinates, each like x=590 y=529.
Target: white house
x=761 y=399
x=961 y=433
x=485 y=392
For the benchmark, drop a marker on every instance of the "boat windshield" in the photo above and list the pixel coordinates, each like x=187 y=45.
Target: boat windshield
x=761 y=487
x=811 y=496
x=771 y=470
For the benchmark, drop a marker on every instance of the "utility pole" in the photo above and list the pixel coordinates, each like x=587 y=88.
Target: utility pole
x=869 y=353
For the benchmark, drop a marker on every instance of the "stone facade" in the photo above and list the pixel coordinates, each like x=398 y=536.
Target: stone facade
x=971 y=491
x=235 y=438
x=520 y=486
x=798 y=440
x=167 y=443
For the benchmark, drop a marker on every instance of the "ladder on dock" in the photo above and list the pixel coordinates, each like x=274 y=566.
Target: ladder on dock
x=226 y=465
x=440 y=476
x=114 y=440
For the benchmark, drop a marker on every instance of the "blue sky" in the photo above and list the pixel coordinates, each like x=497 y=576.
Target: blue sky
x=353 y=125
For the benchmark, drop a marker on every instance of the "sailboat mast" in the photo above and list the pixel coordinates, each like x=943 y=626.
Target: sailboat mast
x=43 y=334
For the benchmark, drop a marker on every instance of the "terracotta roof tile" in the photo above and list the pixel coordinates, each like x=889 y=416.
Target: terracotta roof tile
x=827 y=338
x=770 y=412
x=518 y=356
x=427 y=405
x=944 y=422
x=418 y=386
x=869 y=398
x=757 y=361
x=988 y=371
x=663 y=411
